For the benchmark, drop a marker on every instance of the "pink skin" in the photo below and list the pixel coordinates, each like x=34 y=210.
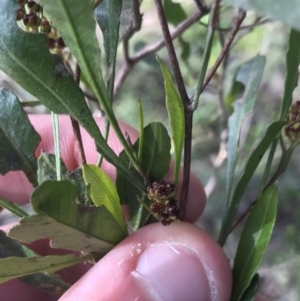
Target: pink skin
x=183 y=258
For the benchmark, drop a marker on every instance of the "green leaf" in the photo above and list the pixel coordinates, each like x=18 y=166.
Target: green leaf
x=250 y=76
x=45 y=76
x=69 y=225
x=155 y=162
x=128 y=194
x=156 y=151
x=51 y=283
x=285 y=11
x=41 y=73
x=107 y=15
x=12 y=208
x=103 y=192
x=292 y=65
x=76 y=24
x=47 y=171
x=254 y=159
x=130 y=19
x=176 y=117
x=254 y=240
x=141 y=128
x=14 y=267
x=174 y=12
x=251 y=291
x=18 y=137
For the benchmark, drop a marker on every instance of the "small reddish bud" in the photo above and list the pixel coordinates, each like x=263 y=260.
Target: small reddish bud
x=20 y=14
x=34 y=7
x=60 y=44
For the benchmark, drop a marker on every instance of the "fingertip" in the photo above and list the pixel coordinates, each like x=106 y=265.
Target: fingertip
x=177 y=262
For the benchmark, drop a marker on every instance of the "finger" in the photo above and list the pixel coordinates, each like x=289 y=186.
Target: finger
x=14 y=186
x=178 y=262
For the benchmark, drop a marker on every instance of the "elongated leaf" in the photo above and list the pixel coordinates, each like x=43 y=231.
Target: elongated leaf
x=34 y=68
x=254 y=240
x=284 y=11
x=155 y=163
x=69 y=225
x=292 y=65
x=76 y=24
x=251 y=291
x=141 y=128
x=14 y=267
x=12 y=208
x=51 y=283
x=46 y=171
x=18 y=137
x=130 y=19
x=128 y=194
x=250 y=76
x=104 y=192
x=156 y=151
x=45 y=76
x=271 y=132
x=176 y=117
x=108 y=17
x=174 y=12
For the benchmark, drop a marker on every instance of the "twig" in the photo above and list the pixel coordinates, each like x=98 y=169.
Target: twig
x=202 y=6
x=213 y=21
x=97 y=2
x=75 y=124
x=186 y=103
x=257 y=22
x=237 y=23
x=150 y=49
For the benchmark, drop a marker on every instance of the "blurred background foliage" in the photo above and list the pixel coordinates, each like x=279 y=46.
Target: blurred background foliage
x=280 y=279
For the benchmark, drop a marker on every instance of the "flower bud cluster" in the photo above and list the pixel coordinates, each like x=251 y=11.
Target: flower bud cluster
x=292 y=129
x=30 y=18
x=164 y=204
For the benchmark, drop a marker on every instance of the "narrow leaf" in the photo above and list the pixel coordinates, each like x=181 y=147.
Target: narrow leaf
x=128 y=194
x=292 y=65
x=284 y=11
x=18 y=137
x=69 y=225
x=176 y=117
x=51 y=283
x=269 y=135
x=249 y=75
x=14 y=267
x=76 y=23
x=156 y=151
x=12 y=208
x=254 y=240
x=141 y=128
x=104 y=192
x=155 y=162
x=107 y=15
x=130 y=19
x=45 y=76
x=251 y=291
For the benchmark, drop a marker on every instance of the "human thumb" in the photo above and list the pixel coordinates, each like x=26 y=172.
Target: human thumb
x=179 y=262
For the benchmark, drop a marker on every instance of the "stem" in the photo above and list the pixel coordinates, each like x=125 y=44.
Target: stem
x=186 y=103
x=208 y=47
x=235 y=28
x=56 y=145
x=75 y=125
x=150 y=49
